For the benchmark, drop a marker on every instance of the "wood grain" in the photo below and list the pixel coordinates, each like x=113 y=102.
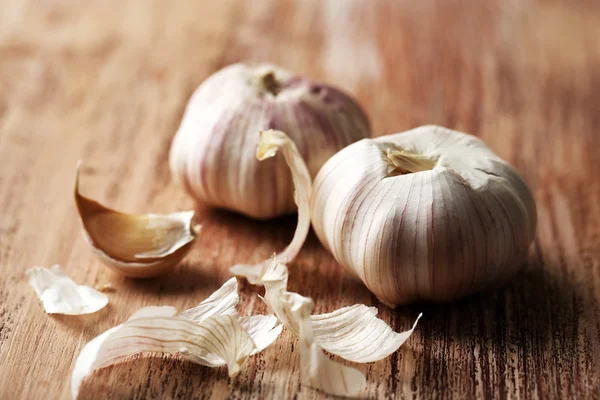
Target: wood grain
x=107 y=82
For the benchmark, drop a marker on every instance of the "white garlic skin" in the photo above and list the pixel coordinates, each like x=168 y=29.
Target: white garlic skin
x=213 y=152
x=433 y=235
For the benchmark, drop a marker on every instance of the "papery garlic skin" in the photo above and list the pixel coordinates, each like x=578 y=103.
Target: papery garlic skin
x=60 y=295
x=270 y=143
x=353 y=333
x=210 y=334
x=135 y=245
x=462 y=221
x=213 y=152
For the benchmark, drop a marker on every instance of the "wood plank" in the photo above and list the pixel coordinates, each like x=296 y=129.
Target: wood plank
x=107 y=82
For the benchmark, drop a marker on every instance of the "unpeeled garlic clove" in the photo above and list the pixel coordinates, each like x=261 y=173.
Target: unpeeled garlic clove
x=139 y=246
x=212 y=154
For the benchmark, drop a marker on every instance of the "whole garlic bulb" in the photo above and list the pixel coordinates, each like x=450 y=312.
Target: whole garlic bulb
x=213 y=152
x=429 y=214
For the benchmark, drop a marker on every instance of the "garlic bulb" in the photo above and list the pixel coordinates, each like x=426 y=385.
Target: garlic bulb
x=139 y=246
x=212 y=154
x=430 y=214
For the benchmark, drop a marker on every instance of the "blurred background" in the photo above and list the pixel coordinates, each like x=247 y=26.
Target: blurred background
x=108 y=81
x=490 y=68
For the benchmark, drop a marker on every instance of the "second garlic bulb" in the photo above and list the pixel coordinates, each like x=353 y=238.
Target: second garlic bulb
x=430 y=214
x=213 y=152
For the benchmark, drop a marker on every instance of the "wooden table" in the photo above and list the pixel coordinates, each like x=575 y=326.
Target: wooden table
x=107 y=82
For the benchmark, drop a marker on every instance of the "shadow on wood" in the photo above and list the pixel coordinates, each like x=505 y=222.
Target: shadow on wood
x=185 y=279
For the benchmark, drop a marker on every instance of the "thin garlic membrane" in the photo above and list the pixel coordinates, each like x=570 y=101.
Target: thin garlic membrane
x=353 y=333
x=212 y=154
x=316 y=369
x=60 y=295
x=140 y=246
x=269 y=144
x=211 y=334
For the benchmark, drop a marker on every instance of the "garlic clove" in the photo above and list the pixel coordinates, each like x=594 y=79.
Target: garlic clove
x=140 y=246
x=212 y=154
x=270 y=143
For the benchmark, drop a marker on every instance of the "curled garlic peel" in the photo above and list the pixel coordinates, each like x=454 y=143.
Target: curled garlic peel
x=353 y=333
x=270 y=143
x=429 y=214
x=212 y=154
x=211 y=334
x=316 y=369
x=141 y=246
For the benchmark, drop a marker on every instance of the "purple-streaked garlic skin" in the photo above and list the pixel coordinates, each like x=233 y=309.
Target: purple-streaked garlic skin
x=213 y=152
x=460 y=225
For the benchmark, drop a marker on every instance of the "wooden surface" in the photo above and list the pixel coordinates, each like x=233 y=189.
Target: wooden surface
x=107 y=82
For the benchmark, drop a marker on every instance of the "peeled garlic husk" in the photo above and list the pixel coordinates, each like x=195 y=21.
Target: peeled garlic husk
x=60 y=295
x=139 y=246
x=269 y=144
x=211 y=334
x=353 y=333
x=316 y=369
x=212 y=154
x=430 y=214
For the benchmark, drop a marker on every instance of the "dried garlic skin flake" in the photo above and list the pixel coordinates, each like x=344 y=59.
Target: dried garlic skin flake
x=60 y=295
x=353 y=333
x=316 y=369
x=270 y=143
x=211 y=334
x=366 y=339
x=139 y=246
